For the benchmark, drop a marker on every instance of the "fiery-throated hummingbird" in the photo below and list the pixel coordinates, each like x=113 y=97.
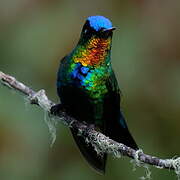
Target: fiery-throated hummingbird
x=89 y=91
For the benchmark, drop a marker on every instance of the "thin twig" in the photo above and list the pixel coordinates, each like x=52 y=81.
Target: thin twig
x=99 y=141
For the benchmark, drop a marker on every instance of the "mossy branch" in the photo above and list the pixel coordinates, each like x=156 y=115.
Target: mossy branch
x=99 y=141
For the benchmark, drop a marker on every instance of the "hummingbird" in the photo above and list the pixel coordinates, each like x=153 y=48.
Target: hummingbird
x=89 y=91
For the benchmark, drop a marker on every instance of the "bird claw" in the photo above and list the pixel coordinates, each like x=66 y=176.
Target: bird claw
x=92 y=126
x=56 y=108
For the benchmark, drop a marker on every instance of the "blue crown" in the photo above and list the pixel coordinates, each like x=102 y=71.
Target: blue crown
x=99 y=22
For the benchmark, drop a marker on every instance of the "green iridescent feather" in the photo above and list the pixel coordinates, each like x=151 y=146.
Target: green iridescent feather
x=88 y=89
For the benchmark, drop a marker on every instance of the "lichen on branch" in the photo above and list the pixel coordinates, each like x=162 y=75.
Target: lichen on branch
x=99 y=141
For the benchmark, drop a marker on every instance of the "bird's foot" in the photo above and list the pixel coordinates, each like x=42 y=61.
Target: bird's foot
x=92 y=126
x=56 y=108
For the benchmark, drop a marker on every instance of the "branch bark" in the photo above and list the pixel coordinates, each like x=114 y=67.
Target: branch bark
x=99 y=141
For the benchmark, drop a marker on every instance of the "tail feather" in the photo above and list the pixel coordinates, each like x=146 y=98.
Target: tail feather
x=97 y=161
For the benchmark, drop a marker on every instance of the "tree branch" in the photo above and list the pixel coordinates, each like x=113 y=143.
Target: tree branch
x=100 y=142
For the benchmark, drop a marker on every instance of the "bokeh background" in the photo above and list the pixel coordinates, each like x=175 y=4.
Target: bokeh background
x=36 y=34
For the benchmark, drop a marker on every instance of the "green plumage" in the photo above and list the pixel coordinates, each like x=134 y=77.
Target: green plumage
x=89 y=91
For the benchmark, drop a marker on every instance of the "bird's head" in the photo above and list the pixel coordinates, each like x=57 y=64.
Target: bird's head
x=97 y=27
x=94 y=45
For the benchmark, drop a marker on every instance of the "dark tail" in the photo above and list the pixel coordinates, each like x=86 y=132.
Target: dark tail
x=98 y=162
x=117 y=130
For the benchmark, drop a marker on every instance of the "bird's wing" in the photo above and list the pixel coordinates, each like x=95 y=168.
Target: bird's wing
x=115 y=124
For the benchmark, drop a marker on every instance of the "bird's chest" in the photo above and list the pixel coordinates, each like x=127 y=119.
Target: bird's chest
x=91 y=81
x=83 y=89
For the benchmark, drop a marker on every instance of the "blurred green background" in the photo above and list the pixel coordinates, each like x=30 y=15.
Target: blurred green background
x=36 y=34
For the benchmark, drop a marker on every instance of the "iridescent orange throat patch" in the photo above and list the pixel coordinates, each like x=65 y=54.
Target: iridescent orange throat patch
x=94 y=53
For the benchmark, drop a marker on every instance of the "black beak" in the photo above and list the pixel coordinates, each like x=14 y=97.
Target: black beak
x=109 y=29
